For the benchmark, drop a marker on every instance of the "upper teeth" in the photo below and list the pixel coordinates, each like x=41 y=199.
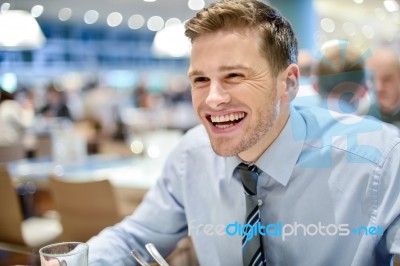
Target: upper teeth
x=226 y=118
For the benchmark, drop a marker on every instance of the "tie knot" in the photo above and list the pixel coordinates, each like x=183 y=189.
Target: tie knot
x=248 y=173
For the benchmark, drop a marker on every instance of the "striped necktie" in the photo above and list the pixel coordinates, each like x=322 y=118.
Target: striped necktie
x=252 y=248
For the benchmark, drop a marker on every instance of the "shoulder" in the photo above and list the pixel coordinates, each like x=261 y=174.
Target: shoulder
x=10 y=107
x=194 y=146
x=194 y=139
x=193 y=154
x=360 y=136
x=10 y=104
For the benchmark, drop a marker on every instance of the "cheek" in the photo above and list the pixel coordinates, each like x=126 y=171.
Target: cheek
x=197 y=98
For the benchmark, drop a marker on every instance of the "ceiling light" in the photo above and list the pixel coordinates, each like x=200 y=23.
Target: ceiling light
x=91 y=16
x=171 y=42
x=9 y=81
x=358 y=1
x=328 y=25
x=4 y=7
x=114 y=19
x=391 y=5
x=155 y=23
x=172 y=21
x=64 y=14
x=136 y=22
x=20 y=31
x=196 y=4
x=37 y=11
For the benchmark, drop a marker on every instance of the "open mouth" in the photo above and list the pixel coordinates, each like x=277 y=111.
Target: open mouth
x=226 y=121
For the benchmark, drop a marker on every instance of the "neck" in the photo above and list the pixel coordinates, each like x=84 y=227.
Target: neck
x=251 y=155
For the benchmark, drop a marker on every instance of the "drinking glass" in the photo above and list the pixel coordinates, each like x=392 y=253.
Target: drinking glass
x=64 y=254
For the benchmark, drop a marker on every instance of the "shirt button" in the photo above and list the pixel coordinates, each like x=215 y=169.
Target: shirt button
x=260 y=202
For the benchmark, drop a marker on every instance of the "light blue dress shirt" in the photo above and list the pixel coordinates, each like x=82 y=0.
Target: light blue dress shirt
x=329 y=194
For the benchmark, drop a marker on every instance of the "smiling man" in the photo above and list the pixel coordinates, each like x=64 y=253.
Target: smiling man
x=236 y=94
x=291 y=186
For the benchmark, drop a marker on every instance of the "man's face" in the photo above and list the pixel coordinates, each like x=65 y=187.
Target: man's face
x=387 y=79
x=233 y=91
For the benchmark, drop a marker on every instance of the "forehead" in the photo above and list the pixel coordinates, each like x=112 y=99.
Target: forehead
x=227 y=47
x=385 y=68
x=383 y=58
x=244 y=34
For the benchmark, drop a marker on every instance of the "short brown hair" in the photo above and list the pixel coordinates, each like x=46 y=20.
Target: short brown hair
x=340 y=62
x=279 y=43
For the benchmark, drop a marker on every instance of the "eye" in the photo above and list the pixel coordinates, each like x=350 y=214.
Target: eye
x=200 y=79
x=198 y=82
x=234 y=76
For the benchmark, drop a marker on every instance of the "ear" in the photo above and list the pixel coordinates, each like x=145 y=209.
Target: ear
x=315 y=87
x=362 y=91
x=314 y=82
x=292 y=82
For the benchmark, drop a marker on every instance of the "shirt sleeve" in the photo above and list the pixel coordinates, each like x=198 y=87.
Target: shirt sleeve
x=393 y=237
x=160 y=219
x=389 y=198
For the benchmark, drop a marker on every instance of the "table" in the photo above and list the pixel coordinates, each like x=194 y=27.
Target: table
x=131 y=177
x=136 y=171
x=130 y=172
x=11 y=256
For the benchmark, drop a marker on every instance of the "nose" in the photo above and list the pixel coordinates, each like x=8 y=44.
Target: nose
x=379 y=86
x=217 y=96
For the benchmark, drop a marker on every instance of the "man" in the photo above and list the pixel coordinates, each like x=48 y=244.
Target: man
x=327 y=190
x=385 y=67
x=341 y=78
x=306 y=95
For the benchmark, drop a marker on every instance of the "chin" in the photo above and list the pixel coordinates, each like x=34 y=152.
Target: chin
x=224 y=152
x=224 y=147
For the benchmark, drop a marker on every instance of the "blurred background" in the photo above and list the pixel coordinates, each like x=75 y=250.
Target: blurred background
x=108 y=58
x=97 y=89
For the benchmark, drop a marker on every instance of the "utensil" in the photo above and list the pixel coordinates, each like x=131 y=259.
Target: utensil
x=156 y=255
x=139 y=258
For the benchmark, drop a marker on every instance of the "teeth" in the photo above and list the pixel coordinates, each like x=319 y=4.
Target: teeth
x=224 y=126
x=226 y=118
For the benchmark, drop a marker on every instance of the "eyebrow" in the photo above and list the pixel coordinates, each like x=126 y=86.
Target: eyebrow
x=221 y=69
x=234 y=67
x=195 y=73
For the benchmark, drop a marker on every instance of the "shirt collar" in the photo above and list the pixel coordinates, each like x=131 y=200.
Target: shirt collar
x=279 y=160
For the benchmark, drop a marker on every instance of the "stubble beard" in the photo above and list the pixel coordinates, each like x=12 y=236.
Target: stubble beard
x=265 y=120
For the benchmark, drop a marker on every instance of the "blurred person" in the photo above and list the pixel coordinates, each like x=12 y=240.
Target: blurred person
x=340 y=78
x=177 y=91
x=55 y=105
x=306 y=96
x=305 y=61
x=177 y=102
x=258 y=169
x=16 y=118
x=142 y=97
x=74 y=104
x=385 y=67
x=100 y=103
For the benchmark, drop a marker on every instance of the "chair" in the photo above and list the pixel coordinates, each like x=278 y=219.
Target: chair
x=12 y=152
x=85 y=208
x=15 y=232
x=396 y=261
